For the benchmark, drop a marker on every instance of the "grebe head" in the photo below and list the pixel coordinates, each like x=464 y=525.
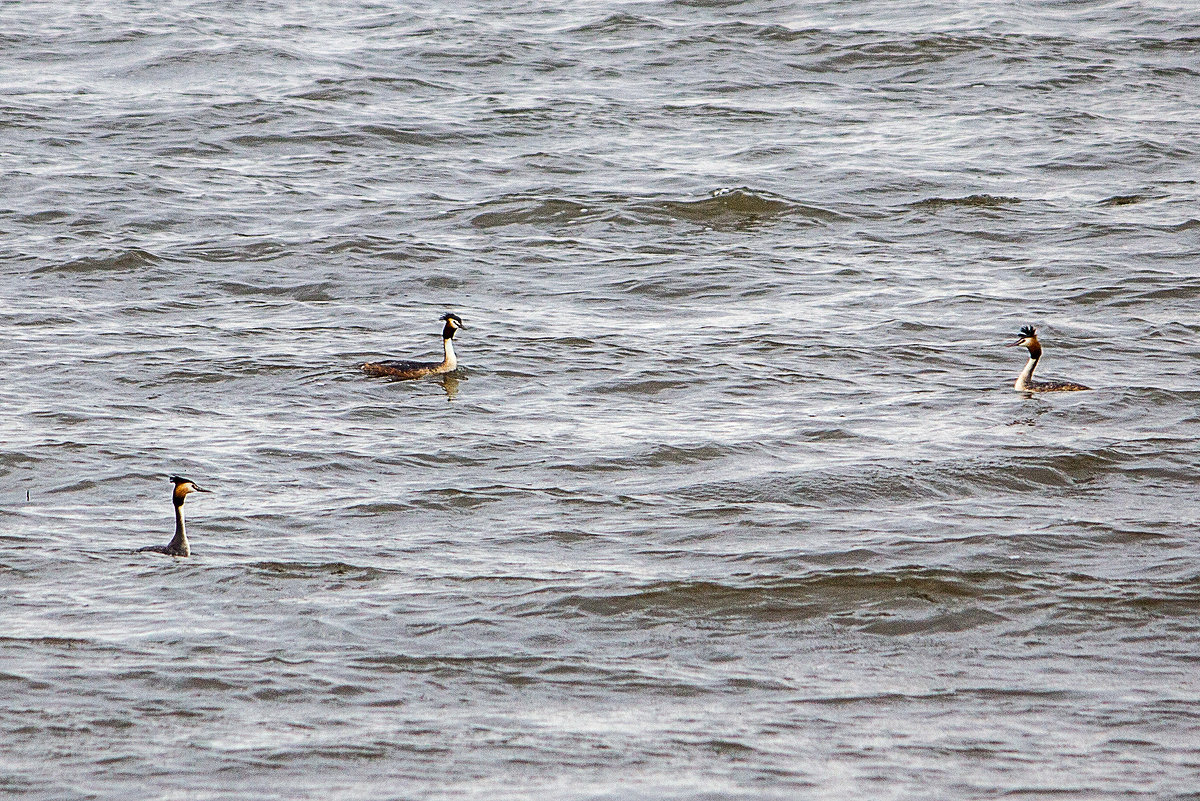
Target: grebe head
x=453 y=323
x=1028 y=338
x=182 y=487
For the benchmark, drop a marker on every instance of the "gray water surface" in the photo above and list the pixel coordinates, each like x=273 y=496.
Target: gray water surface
x=731 y=497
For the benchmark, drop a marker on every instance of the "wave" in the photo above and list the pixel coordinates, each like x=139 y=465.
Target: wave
x=724 y=208
x=970 y=201
x=550 y=211
x=129 y=260
x=901 y=600
x=736 y=206
x=318 y=570
x=311 y=293
x=907 y=482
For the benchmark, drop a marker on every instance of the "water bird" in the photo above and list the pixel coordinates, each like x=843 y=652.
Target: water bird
x=398 y=368
x=1025 y=382
x=178 y=546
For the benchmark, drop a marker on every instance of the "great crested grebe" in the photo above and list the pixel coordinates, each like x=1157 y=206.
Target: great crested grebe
x=178 y=546
x=1025 y=382
x=397 y=368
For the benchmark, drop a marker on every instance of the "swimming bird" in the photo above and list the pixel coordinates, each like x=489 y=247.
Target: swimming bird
x=178 y=546
x=397 y=368
x=1025 y=382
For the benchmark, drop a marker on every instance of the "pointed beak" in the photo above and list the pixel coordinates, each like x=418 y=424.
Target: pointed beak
x=198 y=488
x=1018 y=342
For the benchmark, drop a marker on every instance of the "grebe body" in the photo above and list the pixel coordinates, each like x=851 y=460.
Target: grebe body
x=178 y=546
x=399 y=368
x=1025 y=382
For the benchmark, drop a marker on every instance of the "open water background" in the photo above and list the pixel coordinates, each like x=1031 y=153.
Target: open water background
x=732 y=497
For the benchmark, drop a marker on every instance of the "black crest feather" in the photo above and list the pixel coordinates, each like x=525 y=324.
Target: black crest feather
x=1028 y=331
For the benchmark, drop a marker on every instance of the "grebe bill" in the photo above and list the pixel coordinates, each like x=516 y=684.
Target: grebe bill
x=399 y=368
x=1025 y=382
x=178 y=546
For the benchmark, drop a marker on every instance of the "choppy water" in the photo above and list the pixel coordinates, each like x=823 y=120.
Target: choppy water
x=732 y=497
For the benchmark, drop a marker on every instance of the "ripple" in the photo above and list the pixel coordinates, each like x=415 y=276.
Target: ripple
x=736 y=206
x=725 y=207
x=737 y=495
x=318 y=570
x=970 y=201
x=123 y=261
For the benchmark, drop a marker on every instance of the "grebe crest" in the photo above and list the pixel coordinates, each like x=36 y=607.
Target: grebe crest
x=178 y=546
x=1025 y=383
x=399 y=368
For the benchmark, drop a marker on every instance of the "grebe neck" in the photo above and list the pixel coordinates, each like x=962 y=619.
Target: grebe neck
x=451 y=361
x=1026 y=376
x=179 y=543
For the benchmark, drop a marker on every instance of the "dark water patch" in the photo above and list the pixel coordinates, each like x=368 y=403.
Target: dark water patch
x=1132 y=293
x=969 y=201
x=1079 y=162
x=17 y=459
x=660 y=456
x=617 y=24
x=871 y=51
x=347 y=752
x=732 y=113
x=914 y=481
x=739 y=29
x=1106 y=598
x=380 y=508
x=648 y=387
x=1128 y=200
x=826 y=594
x=40 y=217
x=531 y=671
x=318 y=570
x=451 y=498
x=81 y=485
x=724 y=208
x=241 y=56
x=735 y=207
x=204 y=684
x=38 y=319
x=16 y=682
x=893 y=625
x=946 y=697
x=389 y=250
x=130 y=260
x=66 y=643
x=675 y=287
x=454 y=666
x=895 y=601
x=332 y=92
x=281 y=694
x=555 y=211
x=200 y=150
x=667 y=455
x=1188 y=289
x=1100 y=295
x=332 y=141
x=408 y=136
x=308 y=293
x=1187 y=225
x=257 y=250
x=199 y=375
